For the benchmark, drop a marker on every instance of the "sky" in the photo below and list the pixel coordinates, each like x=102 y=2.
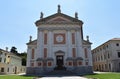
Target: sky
x=17 y=17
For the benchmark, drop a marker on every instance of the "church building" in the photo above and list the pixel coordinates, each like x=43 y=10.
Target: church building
x=59 y=46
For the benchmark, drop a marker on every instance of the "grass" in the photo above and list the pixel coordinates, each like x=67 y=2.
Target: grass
x=97 y=76
x=15 y=77
x=105 y=76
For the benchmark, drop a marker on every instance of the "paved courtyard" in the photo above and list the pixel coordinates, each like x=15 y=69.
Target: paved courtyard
x=66 y=77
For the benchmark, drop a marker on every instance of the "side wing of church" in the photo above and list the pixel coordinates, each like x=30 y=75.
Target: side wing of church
x=59 y=46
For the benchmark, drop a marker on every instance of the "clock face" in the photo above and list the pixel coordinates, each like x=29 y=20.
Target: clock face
x=59 y=38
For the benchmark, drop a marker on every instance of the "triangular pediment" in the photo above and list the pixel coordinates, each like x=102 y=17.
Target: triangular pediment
x=58 y=19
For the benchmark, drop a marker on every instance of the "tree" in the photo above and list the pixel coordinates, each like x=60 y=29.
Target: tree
x=14 y=50
x=23 y=56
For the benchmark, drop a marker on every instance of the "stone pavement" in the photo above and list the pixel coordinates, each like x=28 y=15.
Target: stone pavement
x=66 y=77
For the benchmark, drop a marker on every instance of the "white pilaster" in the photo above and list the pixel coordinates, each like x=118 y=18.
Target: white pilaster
x=40 y=44
x=69 y=44
x=28 y=57
x=79 y=44
x=90 y=56
x=50 y=44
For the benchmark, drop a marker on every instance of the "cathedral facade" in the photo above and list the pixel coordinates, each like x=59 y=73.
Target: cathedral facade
x=59 y=46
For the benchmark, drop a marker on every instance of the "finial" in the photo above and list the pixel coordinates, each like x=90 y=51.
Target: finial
x=76 y=15
x=87 y=38
x=6 y=48
x=30 y=39
x=41 y=16
x=59 y=10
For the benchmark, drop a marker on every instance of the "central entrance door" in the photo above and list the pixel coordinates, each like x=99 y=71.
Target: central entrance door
x=59 y=61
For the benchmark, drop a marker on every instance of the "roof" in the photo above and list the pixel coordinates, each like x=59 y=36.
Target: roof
x=46 y=19
x=4 y=51
x=14 y=55
x=114 y=39
x=34 y=42
x=9 y=53
x=104 y=44
x=86 y=42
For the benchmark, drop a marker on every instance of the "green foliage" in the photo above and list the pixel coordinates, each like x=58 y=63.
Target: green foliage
x=105 y=76
x=16 y=77
x=24 y=57
x=14 y=50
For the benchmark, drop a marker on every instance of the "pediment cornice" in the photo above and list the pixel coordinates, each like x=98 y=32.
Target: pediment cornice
x=58 y=18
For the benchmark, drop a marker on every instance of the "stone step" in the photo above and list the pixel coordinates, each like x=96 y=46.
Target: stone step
x=60 y=73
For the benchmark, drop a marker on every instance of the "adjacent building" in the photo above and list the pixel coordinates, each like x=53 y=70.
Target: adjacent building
x=10 y=63
x=59 y=46
x=106 y=57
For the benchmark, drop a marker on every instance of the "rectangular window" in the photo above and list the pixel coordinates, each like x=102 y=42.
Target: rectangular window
x=86 y=63
x=105 y=66
x=119 y=54
x=45 y=38
x=0 y=53
x=79 y=63
x=13 y=69
x=4 y=60
x=119 y=65
x=74 y=52
x=33 y=52
x=39 y=63
x=2 y=69
x=104 y=57
x=32 y=64
x=117 y=44
x=70 y=63
x=73 y=38
x=101 y=58
x=44 y=64
x=86 y=53
x=49 y=64
x=0 y=59
x=108 y=55
x=8 y=69
x=45 y=52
